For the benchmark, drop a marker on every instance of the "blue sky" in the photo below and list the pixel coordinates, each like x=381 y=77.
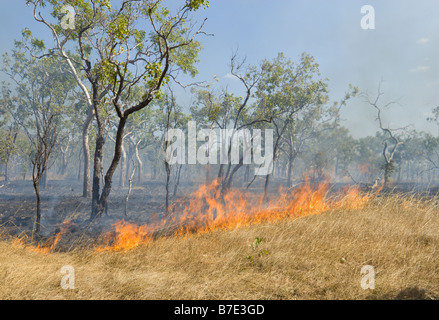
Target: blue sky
x=403 y=49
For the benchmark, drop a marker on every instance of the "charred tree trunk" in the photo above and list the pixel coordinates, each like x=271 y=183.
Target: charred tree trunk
x=100 y=203
x=97 y=208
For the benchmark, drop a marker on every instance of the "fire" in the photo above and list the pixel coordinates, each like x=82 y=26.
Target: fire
x=47 y=247
x=208 y=211
x=127 y=237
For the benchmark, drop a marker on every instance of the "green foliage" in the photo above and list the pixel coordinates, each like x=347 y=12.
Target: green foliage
x=194 y=5
x=106 y=72
x=118 y=28
x=287 y=87
x=111 y=44
x=154 y=72
x=257 y=252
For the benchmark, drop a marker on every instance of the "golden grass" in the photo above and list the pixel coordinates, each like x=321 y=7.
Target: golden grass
x=313 y=257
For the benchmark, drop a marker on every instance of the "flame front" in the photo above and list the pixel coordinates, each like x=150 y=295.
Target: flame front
x=208 y=211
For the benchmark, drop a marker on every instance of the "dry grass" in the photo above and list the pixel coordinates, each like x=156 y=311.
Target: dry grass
x=313 y=257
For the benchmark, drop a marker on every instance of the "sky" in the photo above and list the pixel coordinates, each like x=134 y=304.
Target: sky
x=402 y=51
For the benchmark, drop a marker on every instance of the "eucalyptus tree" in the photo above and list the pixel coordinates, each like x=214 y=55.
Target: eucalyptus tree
x=307 y=126
x=169 y=116
x=219 y=111
x=138 y=135
x=39 y=100
x=231 y=113
x=286 y=88
x=391 y=136
x=138 y=44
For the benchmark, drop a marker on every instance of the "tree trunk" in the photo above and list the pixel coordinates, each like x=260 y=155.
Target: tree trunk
x=100 y=203
x=168 y=176
x=128 y=160
x=86 y=188
x=97 y=172
x=79 y=165
x=36 y=228
x=43 y=180
x=6 y=171
x=140 y=164
x=228 y=184
x=123 y=167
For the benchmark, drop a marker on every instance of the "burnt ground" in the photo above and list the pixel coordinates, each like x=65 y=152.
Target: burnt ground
x=62 y=200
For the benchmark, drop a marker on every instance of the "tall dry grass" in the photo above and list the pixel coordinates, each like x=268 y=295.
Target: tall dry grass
x=313 y=257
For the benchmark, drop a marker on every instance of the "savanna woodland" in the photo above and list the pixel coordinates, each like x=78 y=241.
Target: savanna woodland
x=120 y=159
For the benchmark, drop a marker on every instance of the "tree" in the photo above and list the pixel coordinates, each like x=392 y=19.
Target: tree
x=285 y=89
x=114 y=56
x=226 y=111
x=42 y=89
x=391 y=140
x=169 y=117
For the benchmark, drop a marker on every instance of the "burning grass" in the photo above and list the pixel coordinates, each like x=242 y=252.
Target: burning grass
x=48 y=246
x=208 y=211
x=310 y=257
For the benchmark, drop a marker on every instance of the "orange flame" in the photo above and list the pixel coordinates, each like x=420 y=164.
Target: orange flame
x=47 y=247
x=208 y=211
x=127 y=237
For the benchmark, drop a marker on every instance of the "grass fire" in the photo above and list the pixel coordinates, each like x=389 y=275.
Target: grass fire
x=141 y=158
